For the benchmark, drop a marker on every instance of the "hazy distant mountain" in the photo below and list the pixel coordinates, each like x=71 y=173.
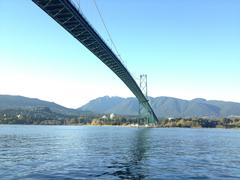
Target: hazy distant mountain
x=20 y=102
x=165 y=107
x=118 y=105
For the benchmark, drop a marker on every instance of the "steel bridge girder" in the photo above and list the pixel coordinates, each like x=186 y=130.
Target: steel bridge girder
x=91 y=40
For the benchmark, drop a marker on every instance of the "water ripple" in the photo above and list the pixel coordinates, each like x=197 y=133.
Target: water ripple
x=73 y=152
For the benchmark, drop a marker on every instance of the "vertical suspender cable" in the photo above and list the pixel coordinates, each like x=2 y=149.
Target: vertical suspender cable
x=105 y=26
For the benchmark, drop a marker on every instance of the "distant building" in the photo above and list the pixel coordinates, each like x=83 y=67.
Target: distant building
x=19 y=116
x=112 y=116
x=104 y=117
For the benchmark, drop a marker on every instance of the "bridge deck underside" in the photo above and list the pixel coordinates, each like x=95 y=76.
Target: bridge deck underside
x=69 y=18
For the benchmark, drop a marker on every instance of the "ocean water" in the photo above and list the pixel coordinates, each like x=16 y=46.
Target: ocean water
x=87 y=152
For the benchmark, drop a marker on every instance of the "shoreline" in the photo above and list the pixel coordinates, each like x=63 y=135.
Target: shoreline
x=123 y=126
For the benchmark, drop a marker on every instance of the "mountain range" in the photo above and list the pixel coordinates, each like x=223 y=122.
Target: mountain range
x=164 y=107
x=20 y=102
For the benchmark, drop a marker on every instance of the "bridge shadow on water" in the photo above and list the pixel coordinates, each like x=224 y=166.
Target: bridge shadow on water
x=132 y=165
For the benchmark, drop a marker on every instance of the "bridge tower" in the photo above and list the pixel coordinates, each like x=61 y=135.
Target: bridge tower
x=145 y=115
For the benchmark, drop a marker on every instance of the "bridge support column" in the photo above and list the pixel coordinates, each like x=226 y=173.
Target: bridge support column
x=145 y=117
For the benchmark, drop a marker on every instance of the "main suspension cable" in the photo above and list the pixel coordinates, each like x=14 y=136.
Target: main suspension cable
x=105 y=26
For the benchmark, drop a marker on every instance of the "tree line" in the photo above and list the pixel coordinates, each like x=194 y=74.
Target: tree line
x=45 y=116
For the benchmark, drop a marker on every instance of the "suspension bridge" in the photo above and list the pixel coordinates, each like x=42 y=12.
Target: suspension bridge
x=69 y=17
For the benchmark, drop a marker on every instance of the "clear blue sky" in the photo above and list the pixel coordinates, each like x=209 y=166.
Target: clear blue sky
x=188 y=48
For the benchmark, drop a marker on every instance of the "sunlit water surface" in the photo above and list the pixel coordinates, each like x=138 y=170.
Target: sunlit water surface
x=85 y=152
